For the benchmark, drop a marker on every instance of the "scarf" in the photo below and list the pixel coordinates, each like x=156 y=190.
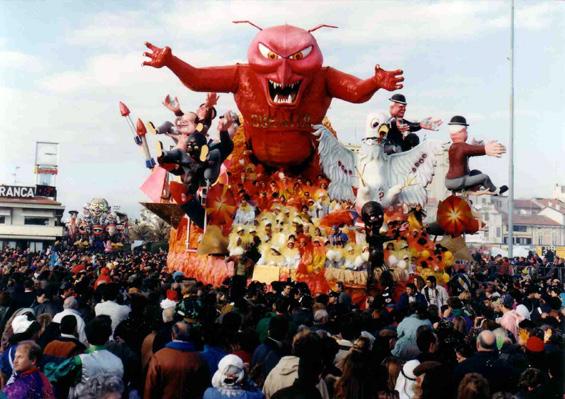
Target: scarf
x=230 y=374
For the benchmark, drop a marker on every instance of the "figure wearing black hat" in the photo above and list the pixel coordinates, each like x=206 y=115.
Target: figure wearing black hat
x=400 y=137
x=459 y=177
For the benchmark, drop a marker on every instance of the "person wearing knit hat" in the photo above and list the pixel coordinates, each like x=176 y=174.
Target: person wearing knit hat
x=535 y=345
x=400 y=136
x=459 y=177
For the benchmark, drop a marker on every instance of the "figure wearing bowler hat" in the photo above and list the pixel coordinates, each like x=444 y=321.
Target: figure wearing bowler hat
x=459 y=177
x=400 y=136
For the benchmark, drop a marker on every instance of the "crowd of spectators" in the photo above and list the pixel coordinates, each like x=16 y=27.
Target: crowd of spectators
x=121 y=325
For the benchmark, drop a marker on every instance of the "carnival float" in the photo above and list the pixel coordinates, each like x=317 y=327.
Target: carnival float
x=97 y=227
x=278 y=196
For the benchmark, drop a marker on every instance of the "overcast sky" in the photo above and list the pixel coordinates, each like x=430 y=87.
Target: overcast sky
x=65 y=65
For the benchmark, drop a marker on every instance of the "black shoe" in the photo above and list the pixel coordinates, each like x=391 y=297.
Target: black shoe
x=501 y=190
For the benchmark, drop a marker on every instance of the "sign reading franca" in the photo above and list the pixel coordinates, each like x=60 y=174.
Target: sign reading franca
x=17 y=192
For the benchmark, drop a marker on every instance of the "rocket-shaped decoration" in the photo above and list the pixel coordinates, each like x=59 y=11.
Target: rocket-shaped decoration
x=141 y=131
x=124 y=111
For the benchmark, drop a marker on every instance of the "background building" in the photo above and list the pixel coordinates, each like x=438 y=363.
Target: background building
x=27 y=220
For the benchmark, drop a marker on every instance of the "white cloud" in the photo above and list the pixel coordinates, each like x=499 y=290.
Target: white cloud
x=114 y=30
x=16 y=60
x=78 y=107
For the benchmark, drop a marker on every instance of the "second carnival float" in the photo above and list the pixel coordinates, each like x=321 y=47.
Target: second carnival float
x=277 y=196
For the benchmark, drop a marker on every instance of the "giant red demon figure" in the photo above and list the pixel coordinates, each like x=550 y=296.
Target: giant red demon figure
x=282 y=92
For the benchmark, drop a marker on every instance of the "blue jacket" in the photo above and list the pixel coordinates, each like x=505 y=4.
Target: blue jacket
x=212 y=355
x=403 y=301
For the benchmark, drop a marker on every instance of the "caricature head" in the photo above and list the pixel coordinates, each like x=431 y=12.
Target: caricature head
x=98 y=206
x=458 y=134
x=236 y=123
x=397 y=105
x=186 y=124
x=194 y=144
x=372 y=215
x=285 y=58
x=397 y=110
x=458 y=129
x=377 y=128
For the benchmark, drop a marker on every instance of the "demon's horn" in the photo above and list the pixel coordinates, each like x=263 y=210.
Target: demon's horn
x=321 y=26
x=248 y=22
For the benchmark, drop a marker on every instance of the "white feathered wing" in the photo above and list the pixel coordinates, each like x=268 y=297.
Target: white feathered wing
x=338 y=164
x=414 y=168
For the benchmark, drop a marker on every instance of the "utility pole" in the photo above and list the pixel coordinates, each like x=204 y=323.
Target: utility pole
x=511 y=144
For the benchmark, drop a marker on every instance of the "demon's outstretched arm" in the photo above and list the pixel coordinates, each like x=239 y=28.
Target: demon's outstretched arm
x=349 y=88
x=212 y=79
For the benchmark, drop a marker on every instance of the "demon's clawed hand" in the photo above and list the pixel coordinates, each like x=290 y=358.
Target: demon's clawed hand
x=389 y=80
x=158 y=57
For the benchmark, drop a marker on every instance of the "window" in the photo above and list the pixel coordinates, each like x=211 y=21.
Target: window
x=498 y=231
x=35 y=246
x=2 y=219
x=520 y=228
x=36 y=221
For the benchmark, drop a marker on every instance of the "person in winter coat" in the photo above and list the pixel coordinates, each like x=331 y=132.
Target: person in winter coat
x=177 y=371
x=286 y=371
x=406 y=347
x=230 y=382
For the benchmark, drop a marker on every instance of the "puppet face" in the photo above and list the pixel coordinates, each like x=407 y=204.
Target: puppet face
x=458 y=134
x=98 y=206
x=186 y=124
x=111 y=229
x=376 y=129
x=372 y=215
x=397 y=110
x=194 y=145
x=285 y=59
x=97 y=230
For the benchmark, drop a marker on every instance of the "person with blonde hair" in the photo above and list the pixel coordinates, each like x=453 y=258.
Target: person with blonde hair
x=28 y=381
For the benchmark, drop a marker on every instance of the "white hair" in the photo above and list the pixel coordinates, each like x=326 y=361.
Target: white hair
x=455 y=128
x=70 y=303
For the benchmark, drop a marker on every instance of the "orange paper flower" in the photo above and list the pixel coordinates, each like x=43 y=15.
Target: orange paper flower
x=220 y=206
x=455 y=217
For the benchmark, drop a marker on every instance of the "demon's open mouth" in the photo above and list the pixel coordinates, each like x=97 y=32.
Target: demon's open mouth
x=284 y=94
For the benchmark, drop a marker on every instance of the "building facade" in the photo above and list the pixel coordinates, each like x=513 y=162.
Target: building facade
x=27 y=220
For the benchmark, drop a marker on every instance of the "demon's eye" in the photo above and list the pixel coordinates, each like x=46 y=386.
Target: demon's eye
x=301 y=54
x=268 y=53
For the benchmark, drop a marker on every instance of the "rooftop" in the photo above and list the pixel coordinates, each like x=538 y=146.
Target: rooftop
x=531 y=220
x=30 y=201
x=538 y=204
